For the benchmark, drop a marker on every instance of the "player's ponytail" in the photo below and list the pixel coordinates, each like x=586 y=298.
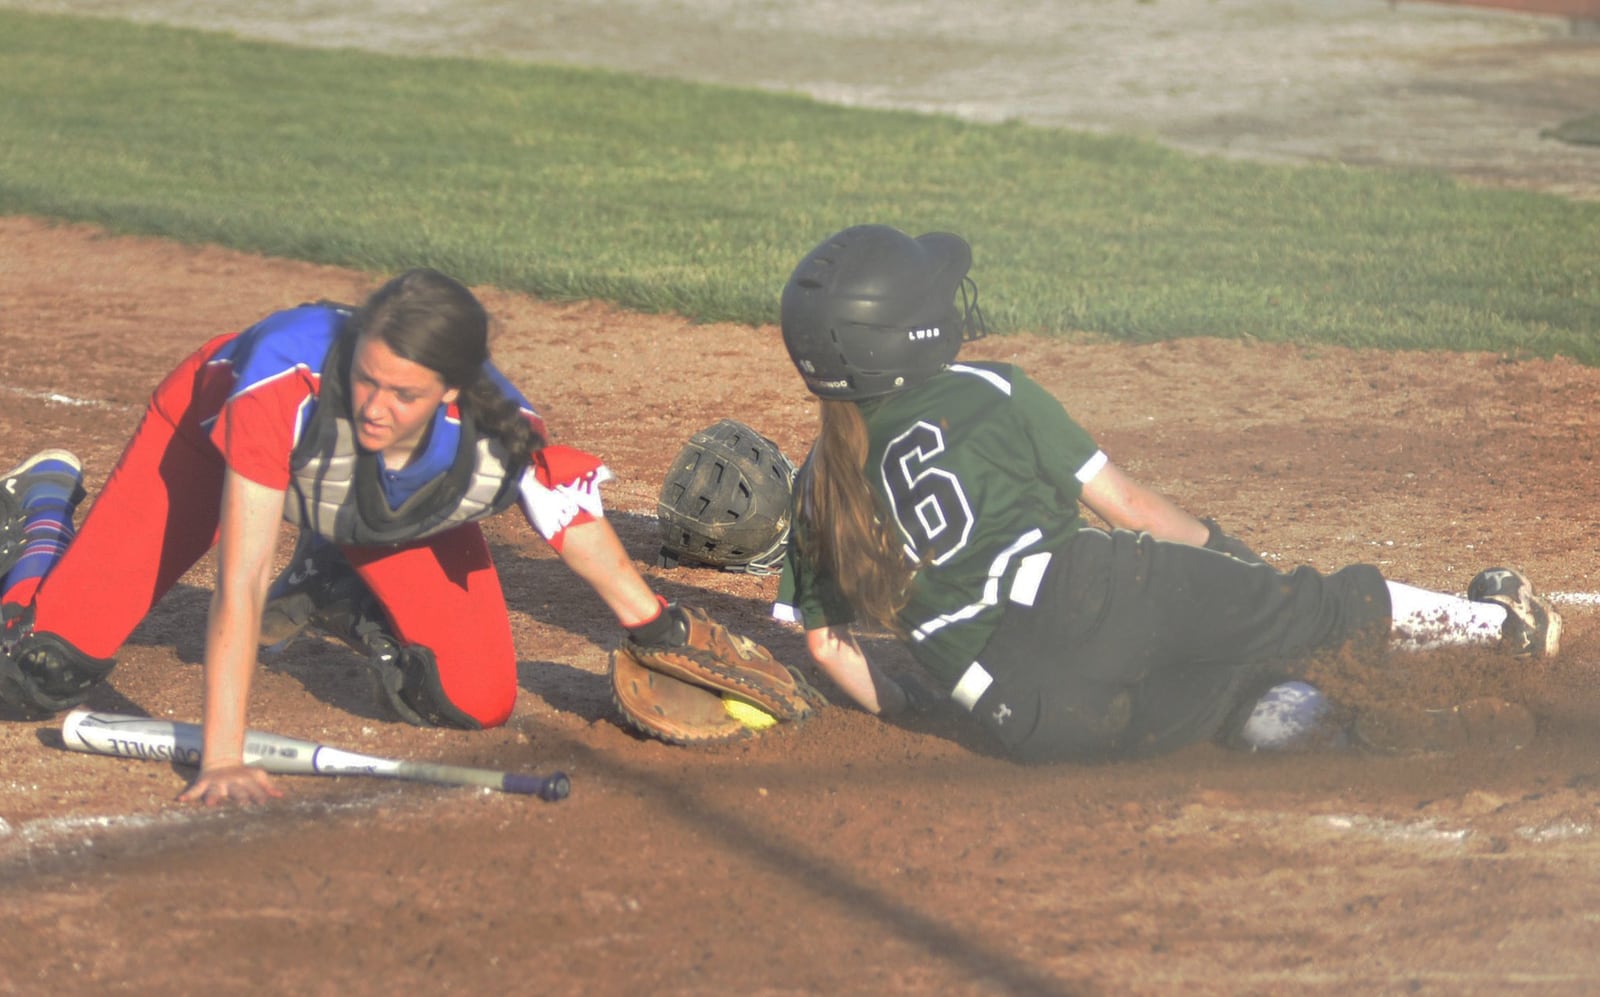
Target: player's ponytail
x=436 y=321
x=500 y=418
x=847 y=537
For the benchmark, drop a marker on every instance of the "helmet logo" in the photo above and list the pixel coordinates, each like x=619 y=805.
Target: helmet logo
x=918 y=334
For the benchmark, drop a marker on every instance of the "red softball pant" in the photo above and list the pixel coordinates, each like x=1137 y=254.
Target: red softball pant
x=158 y=515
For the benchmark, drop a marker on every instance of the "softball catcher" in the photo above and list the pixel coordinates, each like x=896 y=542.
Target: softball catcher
x=385 y=434
x=942 y=501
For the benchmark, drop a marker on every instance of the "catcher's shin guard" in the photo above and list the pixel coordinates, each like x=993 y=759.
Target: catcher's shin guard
x=407 y=680
x=41 y=674
x=319 y=590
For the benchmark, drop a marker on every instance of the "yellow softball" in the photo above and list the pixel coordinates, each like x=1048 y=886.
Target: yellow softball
x=753 y=717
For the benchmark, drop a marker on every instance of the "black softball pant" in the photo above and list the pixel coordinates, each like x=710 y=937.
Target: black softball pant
x=1135 y=646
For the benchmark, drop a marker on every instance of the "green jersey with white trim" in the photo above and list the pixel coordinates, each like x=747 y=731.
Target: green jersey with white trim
x=982 y=470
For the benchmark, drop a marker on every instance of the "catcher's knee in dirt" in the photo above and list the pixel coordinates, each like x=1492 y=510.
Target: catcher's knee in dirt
x=408 y=683
x=43 y=674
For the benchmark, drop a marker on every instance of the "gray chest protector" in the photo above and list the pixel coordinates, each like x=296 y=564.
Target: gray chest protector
x=334 y=487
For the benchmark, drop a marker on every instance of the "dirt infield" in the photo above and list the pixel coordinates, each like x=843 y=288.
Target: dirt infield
x=845 y=856
x=848 y=856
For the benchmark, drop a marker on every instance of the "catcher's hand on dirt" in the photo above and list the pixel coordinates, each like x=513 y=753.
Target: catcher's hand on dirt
x=676 y=691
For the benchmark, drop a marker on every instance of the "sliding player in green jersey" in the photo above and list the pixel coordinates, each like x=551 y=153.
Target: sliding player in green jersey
x=942 y=501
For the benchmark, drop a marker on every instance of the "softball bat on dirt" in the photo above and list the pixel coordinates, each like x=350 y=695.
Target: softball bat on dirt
x=149 y=739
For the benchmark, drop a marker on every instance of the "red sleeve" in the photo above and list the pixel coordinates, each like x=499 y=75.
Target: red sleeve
x=556 y=466
x=257 y=429
x=562 y=489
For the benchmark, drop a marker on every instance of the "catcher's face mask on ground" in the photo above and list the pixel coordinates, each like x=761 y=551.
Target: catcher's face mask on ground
x=725 y=502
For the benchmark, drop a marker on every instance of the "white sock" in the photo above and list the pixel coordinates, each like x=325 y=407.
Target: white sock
x=1424 y=619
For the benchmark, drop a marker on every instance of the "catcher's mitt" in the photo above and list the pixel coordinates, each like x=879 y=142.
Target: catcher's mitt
x=676 y=693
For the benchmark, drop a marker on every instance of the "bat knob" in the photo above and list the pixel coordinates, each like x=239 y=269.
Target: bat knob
x=552 y=787
x=556 y=787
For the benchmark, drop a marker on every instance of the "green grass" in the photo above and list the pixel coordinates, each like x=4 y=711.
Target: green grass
x=1579 y=131
x=673 y=197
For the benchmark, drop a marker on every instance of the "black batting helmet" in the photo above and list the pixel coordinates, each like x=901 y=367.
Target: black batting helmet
x=871 y=310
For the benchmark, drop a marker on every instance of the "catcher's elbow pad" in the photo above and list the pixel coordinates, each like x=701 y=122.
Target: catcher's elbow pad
x=408 y=683
x=44 y=674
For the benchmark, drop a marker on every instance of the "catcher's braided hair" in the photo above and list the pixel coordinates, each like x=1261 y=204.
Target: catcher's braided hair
x=845 y=535
x=500 y=417
x=434 y=320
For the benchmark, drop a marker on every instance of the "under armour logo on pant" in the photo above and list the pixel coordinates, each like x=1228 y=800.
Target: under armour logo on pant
x=1001 y=714
x=301 y=574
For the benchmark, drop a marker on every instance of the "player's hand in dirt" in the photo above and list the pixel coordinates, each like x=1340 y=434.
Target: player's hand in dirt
x=1226 y=543
x=893 y=699
x=230 y=784
x=904 y=696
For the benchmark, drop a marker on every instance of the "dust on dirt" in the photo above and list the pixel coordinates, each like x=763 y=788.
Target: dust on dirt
x=847 y=855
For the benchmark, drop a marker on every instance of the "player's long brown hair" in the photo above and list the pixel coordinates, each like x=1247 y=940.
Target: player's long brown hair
x=846 y=535
x=436 y=321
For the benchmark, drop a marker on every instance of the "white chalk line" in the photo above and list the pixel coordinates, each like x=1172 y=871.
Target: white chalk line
x=1437 y=832
x=1448 y=833
x=1574 y=598
x=56 y=398
x=48 y=830
x=21 y=842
